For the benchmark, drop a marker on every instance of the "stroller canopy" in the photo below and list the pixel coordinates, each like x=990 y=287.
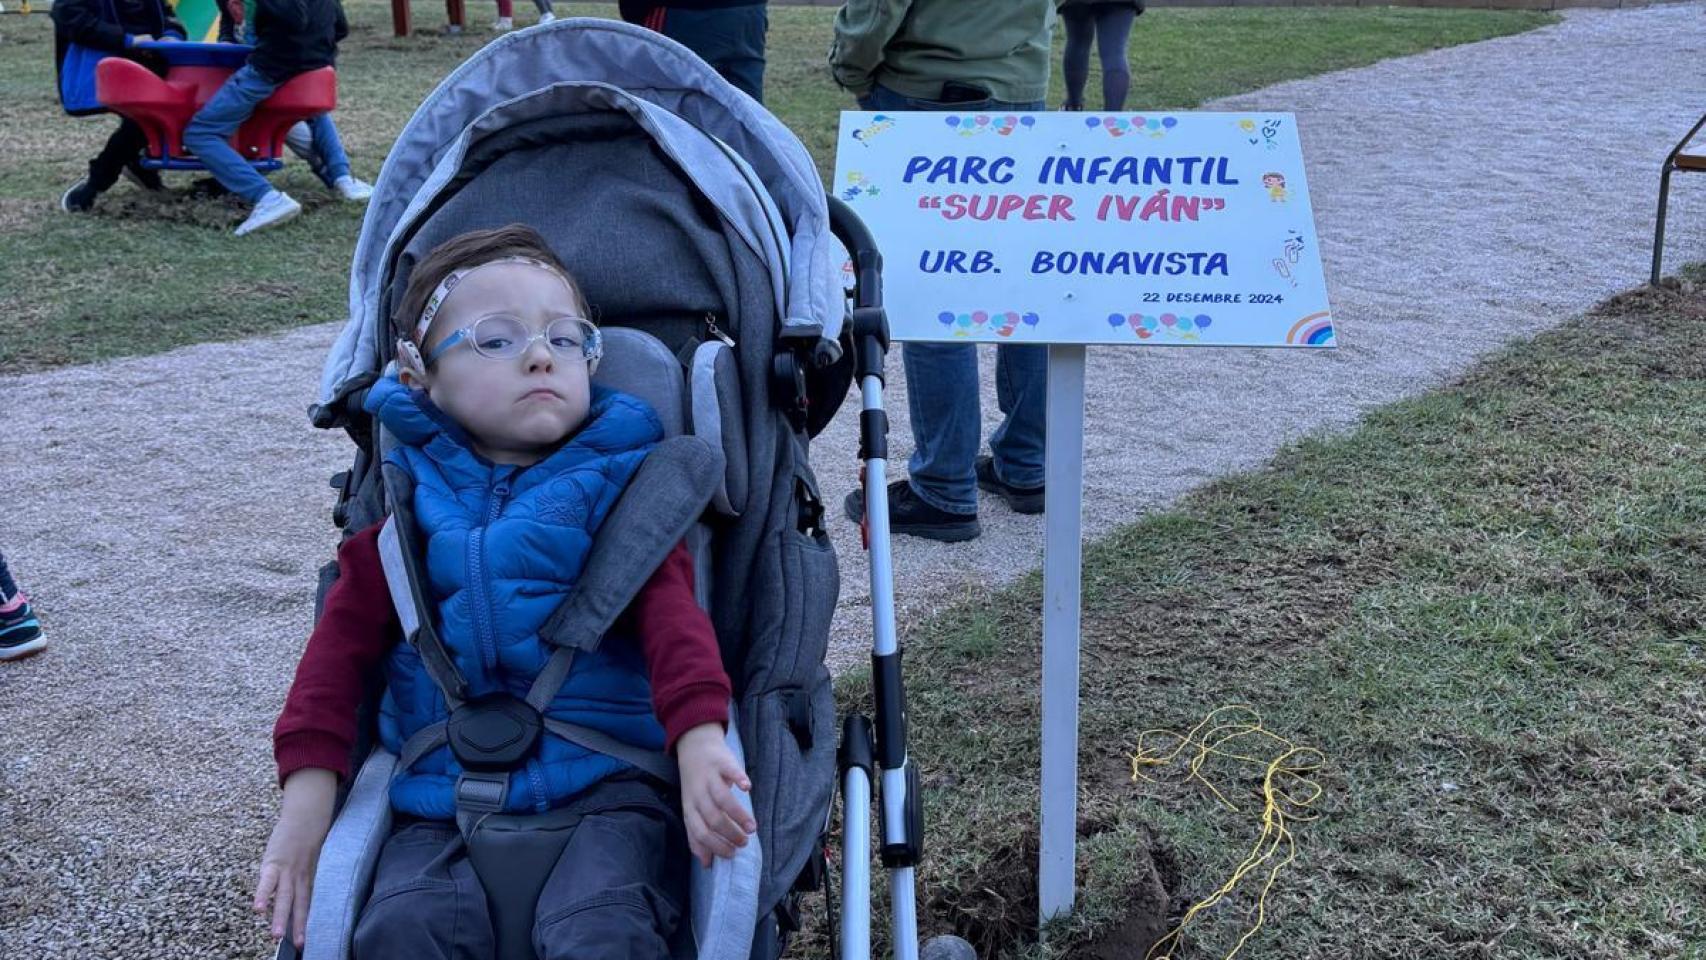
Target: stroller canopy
x=599 y=79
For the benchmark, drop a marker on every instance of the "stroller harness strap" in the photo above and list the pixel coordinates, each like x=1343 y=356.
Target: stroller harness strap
x=399 y=556
x=666 y=497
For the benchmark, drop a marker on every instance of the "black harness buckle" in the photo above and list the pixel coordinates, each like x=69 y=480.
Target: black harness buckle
x=493 y=733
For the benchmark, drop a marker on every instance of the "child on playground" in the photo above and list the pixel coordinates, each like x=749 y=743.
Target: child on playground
x=20 y=631
x=517 y=458
x=291 y=37
x=114 y=26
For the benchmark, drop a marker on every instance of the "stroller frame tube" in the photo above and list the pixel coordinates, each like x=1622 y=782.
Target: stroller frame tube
x=856 y=879
x=902 y=819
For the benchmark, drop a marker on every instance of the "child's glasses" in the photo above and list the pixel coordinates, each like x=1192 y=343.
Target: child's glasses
x=499 y=336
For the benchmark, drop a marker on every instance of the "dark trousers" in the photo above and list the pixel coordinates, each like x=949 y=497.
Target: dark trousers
x=617 y=893
x=1108 y=27
x=8 y=589
x=730 y=39
x=124 y=146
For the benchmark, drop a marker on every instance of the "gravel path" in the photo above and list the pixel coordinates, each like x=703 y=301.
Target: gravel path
x=169 y=512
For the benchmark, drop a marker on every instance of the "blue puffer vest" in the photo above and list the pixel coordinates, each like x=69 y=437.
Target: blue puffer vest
x=504 y=545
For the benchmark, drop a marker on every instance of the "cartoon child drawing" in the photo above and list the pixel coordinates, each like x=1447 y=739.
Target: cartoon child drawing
x=1276 y=187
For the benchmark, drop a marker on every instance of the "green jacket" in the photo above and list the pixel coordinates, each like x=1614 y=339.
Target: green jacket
x=914 y=46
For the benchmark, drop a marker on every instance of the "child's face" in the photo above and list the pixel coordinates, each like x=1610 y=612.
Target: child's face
x=517 y=409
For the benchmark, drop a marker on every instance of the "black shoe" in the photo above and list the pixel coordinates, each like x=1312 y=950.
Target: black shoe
x=914 y=517
x=143 y=177
x=1021 y=499
x=80 y=198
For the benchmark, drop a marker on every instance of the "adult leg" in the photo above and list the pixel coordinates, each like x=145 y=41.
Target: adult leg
x=209 y=132
x=730 y=39
x=427 y=903
x=544 y=7
x=1021 y=388
x=619 y=890
x=1113 y=32
x=1075 y=62
x=947 y=423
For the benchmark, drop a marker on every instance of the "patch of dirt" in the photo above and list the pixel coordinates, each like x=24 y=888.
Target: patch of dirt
x=996 y=909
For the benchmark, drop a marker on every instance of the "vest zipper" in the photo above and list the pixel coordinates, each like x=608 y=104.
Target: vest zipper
x=477 y=548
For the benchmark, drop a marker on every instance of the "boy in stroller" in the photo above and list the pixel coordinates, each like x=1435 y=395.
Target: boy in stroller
x=516 y=460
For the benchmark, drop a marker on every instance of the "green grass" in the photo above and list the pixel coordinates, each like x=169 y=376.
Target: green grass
x=1485 y=605
x=146 y=274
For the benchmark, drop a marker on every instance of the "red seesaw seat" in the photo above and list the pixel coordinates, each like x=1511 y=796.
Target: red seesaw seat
x=162 y=107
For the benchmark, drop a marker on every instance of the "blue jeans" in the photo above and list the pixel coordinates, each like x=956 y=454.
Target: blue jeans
x=942 y=386
x=730 y=39
x=209 y=134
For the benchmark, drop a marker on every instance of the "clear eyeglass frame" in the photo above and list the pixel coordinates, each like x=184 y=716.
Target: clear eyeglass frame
x=500 y=336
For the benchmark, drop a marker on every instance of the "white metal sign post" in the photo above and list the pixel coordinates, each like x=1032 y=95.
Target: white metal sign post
x=1063 y=508
x=1068 y=229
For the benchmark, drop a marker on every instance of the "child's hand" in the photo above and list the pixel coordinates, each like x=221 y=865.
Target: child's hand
x=287 y=868
x=716 y=822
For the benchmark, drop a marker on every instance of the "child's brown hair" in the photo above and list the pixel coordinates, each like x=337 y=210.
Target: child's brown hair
x=471 y=249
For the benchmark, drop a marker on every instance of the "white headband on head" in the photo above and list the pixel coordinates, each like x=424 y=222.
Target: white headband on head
x=411 y=346
x=442 y=292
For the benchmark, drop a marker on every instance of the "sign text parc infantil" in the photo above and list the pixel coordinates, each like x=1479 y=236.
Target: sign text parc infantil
x=1184 y=229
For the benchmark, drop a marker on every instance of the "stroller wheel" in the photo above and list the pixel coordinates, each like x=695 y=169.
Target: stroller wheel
x=946 y=947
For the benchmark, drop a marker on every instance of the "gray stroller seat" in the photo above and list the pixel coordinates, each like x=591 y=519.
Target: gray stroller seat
x=515 y=853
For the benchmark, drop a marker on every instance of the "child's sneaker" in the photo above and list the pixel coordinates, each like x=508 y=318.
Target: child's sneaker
x=547 y=17
x=353 y=189
x=80 y=198
x=20 y=631
x=503 y=25
x=275 y=208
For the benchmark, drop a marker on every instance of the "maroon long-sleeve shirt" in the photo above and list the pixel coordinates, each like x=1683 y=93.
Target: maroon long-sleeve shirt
x=358 y=625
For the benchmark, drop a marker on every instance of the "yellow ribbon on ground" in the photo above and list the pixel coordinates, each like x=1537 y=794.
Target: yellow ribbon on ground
x=1235 y=732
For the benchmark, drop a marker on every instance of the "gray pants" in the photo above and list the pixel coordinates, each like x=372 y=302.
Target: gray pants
x=617 y=892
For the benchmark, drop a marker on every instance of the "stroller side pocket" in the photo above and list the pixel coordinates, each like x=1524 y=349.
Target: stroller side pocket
x=790 y=713
x=793 y=772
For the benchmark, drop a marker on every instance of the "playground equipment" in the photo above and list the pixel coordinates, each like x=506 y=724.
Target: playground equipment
x=163 y=106
x=1687 y=155
x=402 y=23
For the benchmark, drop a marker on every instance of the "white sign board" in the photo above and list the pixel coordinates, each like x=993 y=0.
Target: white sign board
x=1138 y=229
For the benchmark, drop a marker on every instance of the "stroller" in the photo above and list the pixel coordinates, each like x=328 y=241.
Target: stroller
x=697 y=224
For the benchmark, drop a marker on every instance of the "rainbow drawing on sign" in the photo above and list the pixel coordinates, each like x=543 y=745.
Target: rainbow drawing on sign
x=1315 y=330
x=1177 y=326
x=971 y=126
x=1003 y=323
x=1156 y=127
